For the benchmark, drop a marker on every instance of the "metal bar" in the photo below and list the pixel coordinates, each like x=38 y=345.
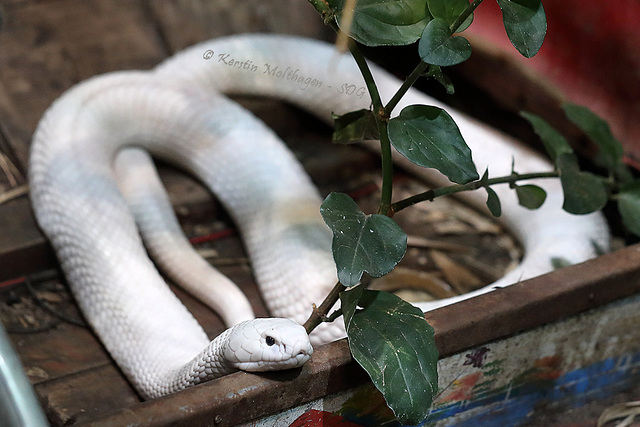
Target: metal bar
x=19 y=406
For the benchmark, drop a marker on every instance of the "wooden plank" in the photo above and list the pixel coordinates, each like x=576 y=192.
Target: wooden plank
x=541 y=377
x=42 y=55
x=23 y=248
x=58 y=353
x=243 y=396
x=186 y=22
x=84 y=396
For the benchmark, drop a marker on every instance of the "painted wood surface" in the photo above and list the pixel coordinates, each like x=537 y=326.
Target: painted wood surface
x=557 y=368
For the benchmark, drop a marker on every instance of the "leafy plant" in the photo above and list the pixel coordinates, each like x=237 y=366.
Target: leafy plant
x=388 y=337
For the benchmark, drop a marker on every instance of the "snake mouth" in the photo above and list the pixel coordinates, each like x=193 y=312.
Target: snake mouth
x=285 y=362
x=302 y=357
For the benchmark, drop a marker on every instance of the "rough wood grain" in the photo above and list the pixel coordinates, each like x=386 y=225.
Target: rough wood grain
x=23 y=249
x=49 y=46
x=82 y=397
x=185 y=22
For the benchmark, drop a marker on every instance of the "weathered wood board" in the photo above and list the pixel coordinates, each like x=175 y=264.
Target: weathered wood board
x=545 y=376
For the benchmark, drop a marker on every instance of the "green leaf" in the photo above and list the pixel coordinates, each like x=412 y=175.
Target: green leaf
x=438 y=47
x=555 y=144
x=629 y=207
x=530 y=196
x=384 y=22
x=355 y=126
x=599 y=132
x=525 y=23
x=449 y=10
x=436 y=73
x=392 y=341
x=429 y=137
x=371 y=243
x=493 y=202
x=349 y=303
x=584 y=192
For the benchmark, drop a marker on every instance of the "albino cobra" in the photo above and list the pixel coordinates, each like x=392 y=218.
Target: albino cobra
x=176 y=112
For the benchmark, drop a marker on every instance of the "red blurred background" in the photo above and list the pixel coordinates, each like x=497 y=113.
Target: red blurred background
x=591 y=56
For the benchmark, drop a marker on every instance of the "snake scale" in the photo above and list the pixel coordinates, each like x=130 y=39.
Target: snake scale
x=90 y=173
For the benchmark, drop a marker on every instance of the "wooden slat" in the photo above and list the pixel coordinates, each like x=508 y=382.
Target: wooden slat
x=186 y=22
x=49 y=46
x=23 y=248
x=42 y=55
x=81 y=397
x=60 y=352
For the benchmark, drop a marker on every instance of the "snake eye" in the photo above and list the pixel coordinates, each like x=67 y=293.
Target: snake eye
x=270 y=340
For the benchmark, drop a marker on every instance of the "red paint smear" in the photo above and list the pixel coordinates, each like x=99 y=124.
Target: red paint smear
x=313 y=417
x=591 y=54
x=463 y=388
x=547 y=368
x=213 y=236
x=12 y=282
x=548 y=362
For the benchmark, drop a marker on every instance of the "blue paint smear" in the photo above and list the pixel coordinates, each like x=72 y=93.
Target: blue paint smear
x=573 y=389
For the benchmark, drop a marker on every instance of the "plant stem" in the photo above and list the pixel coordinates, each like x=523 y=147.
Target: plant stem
x=319 y=314
x=323 y=8
x=464 y=15
x=411 y=79
x=386 y=191
x=381 y=117
x=474 y=185
x=368 y=77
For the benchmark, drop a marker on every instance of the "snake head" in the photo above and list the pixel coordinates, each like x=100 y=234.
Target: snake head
x=268 y=344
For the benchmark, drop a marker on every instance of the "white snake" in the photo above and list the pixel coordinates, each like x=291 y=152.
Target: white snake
x=176 y=112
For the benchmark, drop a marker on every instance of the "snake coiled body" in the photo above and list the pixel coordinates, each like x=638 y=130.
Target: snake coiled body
x=177 y=113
